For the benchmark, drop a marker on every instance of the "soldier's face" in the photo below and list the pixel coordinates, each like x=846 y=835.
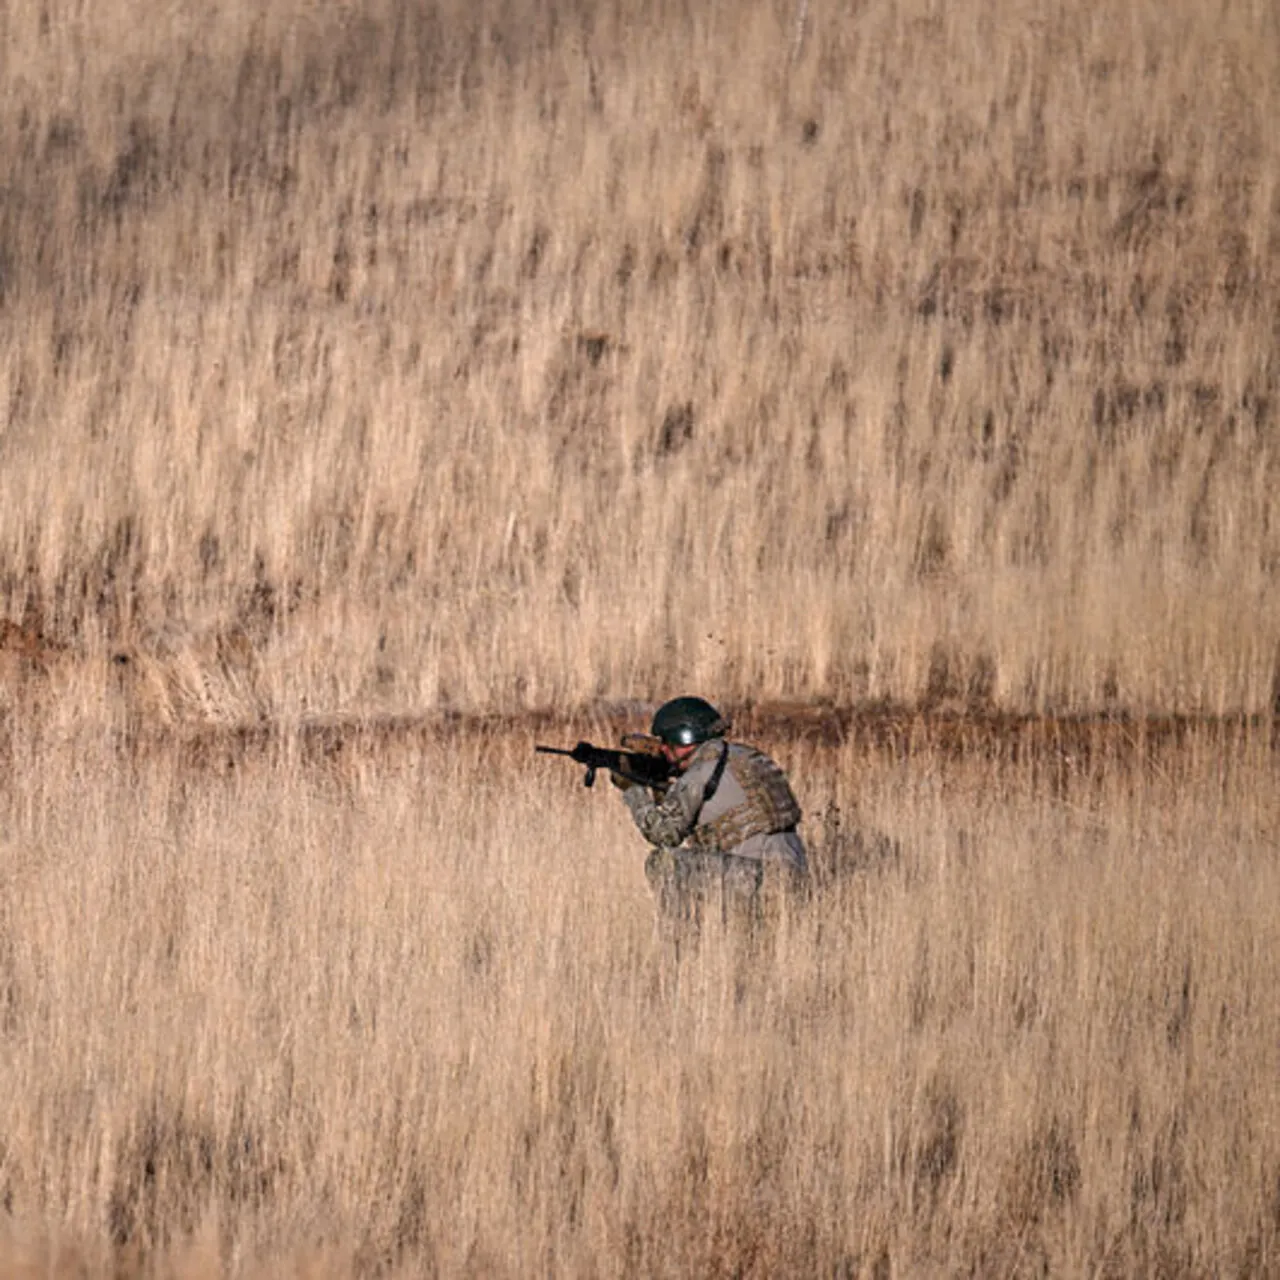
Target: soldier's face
x=679 y=756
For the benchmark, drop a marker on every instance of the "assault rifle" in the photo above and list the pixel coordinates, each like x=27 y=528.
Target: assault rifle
x=640 y=761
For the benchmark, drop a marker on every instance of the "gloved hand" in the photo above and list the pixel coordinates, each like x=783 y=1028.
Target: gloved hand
x=623 y=784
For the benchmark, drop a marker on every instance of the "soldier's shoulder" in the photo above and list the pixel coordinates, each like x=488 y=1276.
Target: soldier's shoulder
x=748 y=755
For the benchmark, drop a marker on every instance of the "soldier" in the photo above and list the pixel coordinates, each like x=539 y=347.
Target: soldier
x=724 y=829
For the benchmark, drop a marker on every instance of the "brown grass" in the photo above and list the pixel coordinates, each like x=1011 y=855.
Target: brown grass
x=411 y=1017
x=507 y=356
x=380 y=381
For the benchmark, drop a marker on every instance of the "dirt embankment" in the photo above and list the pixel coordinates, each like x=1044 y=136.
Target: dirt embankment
x=32 y=670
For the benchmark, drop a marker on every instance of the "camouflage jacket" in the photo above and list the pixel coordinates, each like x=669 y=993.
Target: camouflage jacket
x=751 y=814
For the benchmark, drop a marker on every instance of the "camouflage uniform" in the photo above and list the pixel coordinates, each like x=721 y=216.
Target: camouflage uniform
x=716 y=853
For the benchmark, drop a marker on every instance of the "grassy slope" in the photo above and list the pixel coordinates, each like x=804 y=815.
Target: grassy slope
x=512 y=357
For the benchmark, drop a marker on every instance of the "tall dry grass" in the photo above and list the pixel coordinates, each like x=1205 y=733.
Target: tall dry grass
x=514 y=354
x=365 y=361
x=410 y=1018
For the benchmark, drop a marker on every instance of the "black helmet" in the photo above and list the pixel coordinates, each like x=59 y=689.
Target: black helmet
x=684 y=721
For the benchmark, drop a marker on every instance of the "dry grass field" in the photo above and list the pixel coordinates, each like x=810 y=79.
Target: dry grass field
x=411 y=1018
x=385 y=384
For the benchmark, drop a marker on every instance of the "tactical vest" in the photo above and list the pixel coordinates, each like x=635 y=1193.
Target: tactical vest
x=770 y=806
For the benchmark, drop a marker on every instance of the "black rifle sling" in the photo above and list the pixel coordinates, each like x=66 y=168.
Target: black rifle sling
x=713 y=782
